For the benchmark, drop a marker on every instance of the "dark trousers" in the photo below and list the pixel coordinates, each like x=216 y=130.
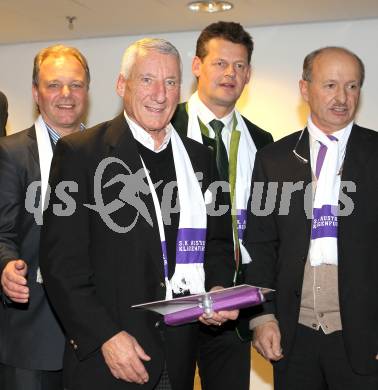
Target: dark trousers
x=223 y=360
x=13 y=378
x=319 y=362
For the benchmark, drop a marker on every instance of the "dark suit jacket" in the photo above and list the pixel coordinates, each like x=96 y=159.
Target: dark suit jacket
x=279 y=244
x=93 y=274
x=30 y=336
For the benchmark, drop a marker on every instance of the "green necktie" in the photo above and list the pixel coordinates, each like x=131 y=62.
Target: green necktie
x=221 y=152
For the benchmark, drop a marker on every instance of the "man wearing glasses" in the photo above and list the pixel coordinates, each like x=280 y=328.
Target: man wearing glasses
x=320 y=253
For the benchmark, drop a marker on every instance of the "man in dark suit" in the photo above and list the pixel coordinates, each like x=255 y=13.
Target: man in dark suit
x=3 y=113
x=124 y=245
x=315 y=241
x=222 y=66
x=31 y=338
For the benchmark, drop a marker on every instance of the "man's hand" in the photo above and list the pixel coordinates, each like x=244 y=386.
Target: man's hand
x=220 y=317
x=13 y=281
x=123 y=355
x=267 y=340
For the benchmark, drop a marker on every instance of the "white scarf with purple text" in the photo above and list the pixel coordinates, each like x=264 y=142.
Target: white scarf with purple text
x=191 y=236
x=324 y=229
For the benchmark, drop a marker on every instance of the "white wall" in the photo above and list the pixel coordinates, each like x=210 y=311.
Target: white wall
x=271 y=100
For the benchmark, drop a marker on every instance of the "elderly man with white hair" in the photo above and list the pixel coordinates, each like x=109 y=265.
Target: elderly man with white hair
x=125 y=249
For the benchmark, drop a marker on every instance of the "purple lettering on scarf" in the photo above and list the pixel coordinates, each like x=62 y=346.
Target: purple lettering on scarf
x=324 y=222
x=241 y=222
x=190 y=246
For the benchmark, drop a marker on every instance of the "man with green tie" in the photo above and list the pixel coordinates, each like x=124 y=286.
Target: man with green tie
x=222 y=66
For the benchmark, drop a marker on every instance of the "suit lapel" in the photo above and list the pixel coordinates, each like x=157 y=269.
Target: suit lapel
x=301 y=171
x=180 y=119
x=358 y=152
x=33 y=146
x=209 y=142
x=122 y=143
x=256 y=138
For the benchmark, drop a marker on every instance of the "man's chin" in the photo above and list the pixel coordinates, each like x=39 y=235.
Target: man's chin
x=227 y=101
x=154 y=129
x=155 y=126
x=68 y=120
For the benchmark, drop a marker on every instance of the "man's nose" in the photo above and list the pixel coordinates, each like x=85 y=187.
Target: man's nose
x=341 y=95
x=66 y=90
x=159 y=92
x=230 y=71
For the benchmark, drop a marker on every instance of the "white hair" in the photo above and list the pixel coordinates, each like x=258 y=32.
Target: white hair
x=143 y=45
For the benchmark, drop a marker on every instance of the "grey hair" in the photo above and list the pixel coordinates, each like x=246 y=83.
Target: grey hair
x=147 y=44
x=310 y=58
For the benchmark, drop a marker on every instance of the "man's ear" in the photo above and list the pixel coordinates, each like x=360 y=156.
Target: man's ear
x=249 y=74
x=121 y=85
x=35 y=93
x=196 y=66
x=303 y=88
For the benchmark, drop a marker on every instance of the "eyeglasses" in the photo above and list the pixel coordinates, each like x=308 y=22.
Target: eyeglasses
x=305 y=161
x=296 y=154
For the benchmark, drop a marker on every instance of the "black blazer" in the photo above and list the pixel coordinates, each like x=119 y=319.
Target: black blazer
x=279 y=244
x=30 y=336
x=94 y=274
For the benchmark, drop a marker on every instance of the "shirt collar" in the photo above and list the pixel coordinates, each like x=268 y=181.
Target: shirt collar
x=315 y=145
x=144 y=138
x=338 y=134
x=54 y=135
x=206 y=115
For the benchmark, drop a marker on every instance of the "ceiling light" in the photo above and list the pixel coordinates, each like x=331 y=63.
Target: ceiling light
x=210 y=6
